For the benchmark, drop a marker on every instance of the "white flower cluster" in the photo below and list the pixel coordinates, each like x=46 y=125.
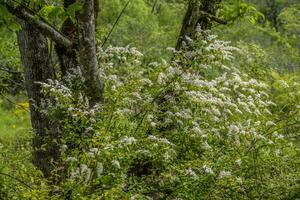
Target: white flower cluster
x=82 y=172
x=119 y=53
x=224 y=174
x=160 y=140
x=56 y=88
x=128 y=140
x=192 y=173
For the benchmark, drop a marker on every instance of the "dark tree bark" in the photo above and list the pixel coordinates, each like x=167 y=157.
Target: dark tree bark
x=38 y=68
x=85 y=46
x=68 y=55
x=202 y=15
x=87 y=52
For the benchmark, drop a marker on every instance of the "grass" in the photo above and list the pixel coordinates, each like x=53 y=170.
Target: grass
x=14 y=122
x=15 y=148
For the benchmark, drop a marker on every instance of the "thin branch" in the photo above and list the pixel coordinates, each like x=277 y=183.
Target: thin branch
x=22 y=13
x=14 y=103
x=153 y=7
x=9 y=70
x=115 y=24
x=17 y=179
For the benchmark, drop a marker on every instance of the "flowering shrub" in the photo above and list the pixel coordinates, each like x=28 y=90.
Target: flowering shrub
x=194 y=127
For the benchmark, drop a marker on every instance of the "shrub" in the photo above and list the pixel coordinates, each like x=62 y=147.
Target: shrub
x=194 y=127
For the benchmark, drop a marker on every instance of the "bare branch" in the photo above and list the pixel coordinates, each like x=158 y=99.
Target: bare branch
x=9 y=70
x=46 y=29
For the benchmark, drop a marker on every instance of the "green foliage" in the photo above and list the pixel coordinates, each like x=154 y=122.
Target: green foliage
x=72 y=9
x=10 y=65
x=55 y=13
x=290 y=24
x=51 y=12
x=235 y=10
x=7 y=20
x=14 y=120
x=281 y=54
x=14 y=151
x=142 y=25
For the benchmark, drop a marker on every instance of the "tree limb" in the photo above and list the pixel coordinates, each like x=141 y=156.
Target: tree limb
x=214 y=18
x=46 y=29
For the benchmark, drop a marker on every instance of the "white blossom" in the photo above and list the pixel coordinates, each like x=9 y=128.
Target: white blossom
x=192 y=174
x=208 y=169
x=238 y=162
x=270 y=123
x=224 y=174
x=116 y=164
x=128 y=140
x=71 y=159
x=99 y=169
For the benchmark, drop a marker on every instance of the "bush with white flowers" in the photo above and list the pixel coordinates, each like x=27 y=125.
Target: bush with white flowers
x=194 y=127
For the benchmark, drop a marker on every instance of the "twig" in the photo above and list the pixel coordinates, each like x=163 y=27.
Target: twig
x=115 y=24
x=14 y=103
x=154 y=5
x=9 y=70
x=17 y=179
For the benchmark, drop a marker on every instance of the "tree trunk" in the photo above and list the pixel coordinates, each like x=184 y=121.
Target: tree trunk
x=38 y=68
x=35 y=57
x=68 y=55
x=196 y=14
x=87 y=52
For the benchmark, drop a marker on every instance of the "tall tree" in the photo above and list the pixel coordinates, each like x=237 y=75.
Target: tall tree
x=38 y=68
x=75 y=40
x=87 y=52
x=199 y=13
x=67 y=55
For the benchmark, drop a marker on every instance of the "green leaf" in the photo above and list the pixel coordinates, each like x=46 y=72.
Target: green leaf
x=4 y=13
x=51 y=12
x=72 y=9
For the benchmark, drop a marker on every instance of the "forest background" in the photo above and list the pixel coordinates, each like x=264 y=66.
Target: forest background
x=209 y=120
